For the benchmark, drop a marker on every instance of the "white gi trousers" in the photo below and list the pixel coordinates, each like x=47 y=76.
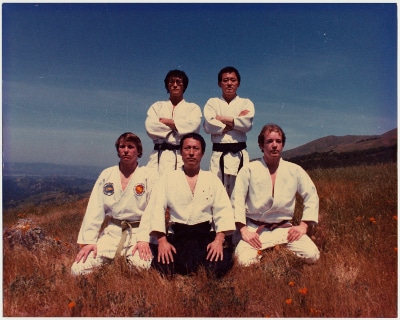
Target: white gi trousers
x=304 y=247
x=106 y=248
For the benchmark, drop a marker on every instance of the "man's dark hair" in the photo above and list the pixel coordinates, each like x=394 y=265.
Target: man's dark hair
x=228 y=70
x=130 y=137
x=194 y=136
x=176 y=74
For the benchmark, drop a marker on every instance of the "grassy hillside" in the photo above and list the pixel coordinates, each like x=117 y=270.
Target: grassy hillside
x=345 y=145
x=356 y=275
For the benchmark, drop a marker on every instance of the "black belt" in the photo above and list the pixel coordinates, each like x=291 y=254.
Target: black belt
x=225 y=148
x=166 y=146
x=272 y=226
x=160 y=147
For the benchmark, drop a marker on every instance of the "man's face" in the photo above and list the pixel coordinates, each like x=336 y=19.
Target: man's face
x=273 y=145
x=229 y=84
x=127 y=152
x=191 y=153
x=175 y=87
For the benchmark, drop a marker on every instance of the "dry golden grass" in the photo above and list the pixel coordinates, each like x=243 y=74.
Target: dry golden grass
x=355 y=277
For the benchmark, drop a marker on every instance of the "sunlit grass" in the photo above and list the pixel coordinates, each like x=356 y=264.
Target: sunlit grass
x=356 y=275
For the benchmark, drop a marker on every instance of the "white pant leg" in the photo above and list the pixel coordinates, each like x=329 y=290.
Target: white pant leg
x=106 y=249
x=304 y=247
x=127 y=249
x=91 y=263
x=246 y=254
x=168 y=160
x=229 y=182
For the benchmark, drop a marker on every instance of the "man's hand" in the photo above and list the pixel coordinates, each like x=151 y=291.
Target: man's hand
x=215 y=248
x=168 y=122
x=85 y=251
x=296 y=232
x=251 y=238
x=227 y=121
x=144 y=250
x=243 y=113
x=165 y=250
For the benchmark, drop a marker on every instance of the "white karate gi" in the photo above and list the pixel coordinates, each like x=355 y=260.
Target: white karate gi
x=108 y=199
x=242 y=125
x=254 y=198
x=210 y=202
x=187 y=118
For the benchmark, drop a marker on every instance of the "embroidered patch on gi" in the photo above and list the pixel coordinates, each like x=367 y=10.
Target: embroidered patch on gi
x=108 y=189
x=139 y=189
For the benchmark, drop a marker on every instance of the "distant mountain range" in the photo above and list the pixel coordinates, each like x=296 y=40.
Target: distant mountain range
x=379 y=148
x=36 y=183
x=49 y=169
x=336 y=151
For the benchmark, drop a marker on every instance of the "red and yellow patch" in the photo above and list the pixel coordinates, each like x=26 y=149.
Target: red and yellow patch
x=139 y=189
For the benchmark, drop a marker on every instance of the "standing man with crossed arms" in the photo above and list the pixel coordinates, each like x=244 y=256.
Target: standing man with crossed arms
x=167 y=121
x=228 y=119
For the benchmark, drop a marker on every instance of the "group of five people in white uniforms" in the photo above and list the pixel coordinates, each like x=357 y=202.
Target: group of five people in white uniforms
x=254 y=199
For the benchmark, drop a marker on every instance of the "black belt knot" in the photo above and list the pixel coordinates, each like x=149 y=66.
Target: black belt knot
x=229 y=147
x=225 y=148
x=272 y=226
x=166 y=146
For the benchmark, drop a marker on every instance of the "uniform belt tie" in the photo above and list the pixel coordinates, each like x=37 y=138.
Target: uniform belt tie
x=270 y=226
x=127 y=227
x=225 y=148
x=160 y=147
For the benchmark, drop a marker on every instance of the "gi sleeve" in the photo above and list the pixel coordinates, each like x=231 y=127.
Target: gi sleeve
x=94 y=216
x=189 y=119
x=154 y=128
x=211 y=125
x=155 y=210
x=245 y=123
x=308 y=192
x=240 y=194
x=143 y=232
x=222 y=210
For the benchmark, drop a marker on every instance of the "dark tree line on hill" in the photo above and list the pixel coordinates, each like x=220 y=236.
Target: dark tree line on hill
x=326 y=160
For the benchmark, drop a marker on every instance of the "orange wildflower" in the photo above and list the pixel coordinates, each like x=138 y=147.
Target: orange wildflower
x=372 y=219
x=395 y=218
x=395 y=249
x=358 y=218
x=315 y=311
x=71 y=304
x=259 y=252
x=303 y=291
x=291 y=283
x=289 y=301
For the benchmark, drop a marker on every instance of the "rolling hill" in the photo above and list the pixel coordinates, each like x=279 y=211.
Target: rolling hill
x=346 y=143
x=341 y=151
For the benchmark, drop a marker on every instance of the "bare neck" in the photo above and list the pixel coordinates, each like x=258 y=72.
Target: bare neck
x=127 y=170
x=175 y=100
x=191 y=172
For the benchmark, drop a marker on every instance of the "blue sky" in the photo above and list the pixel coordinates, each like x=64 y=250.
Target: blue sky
x=76 y=76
